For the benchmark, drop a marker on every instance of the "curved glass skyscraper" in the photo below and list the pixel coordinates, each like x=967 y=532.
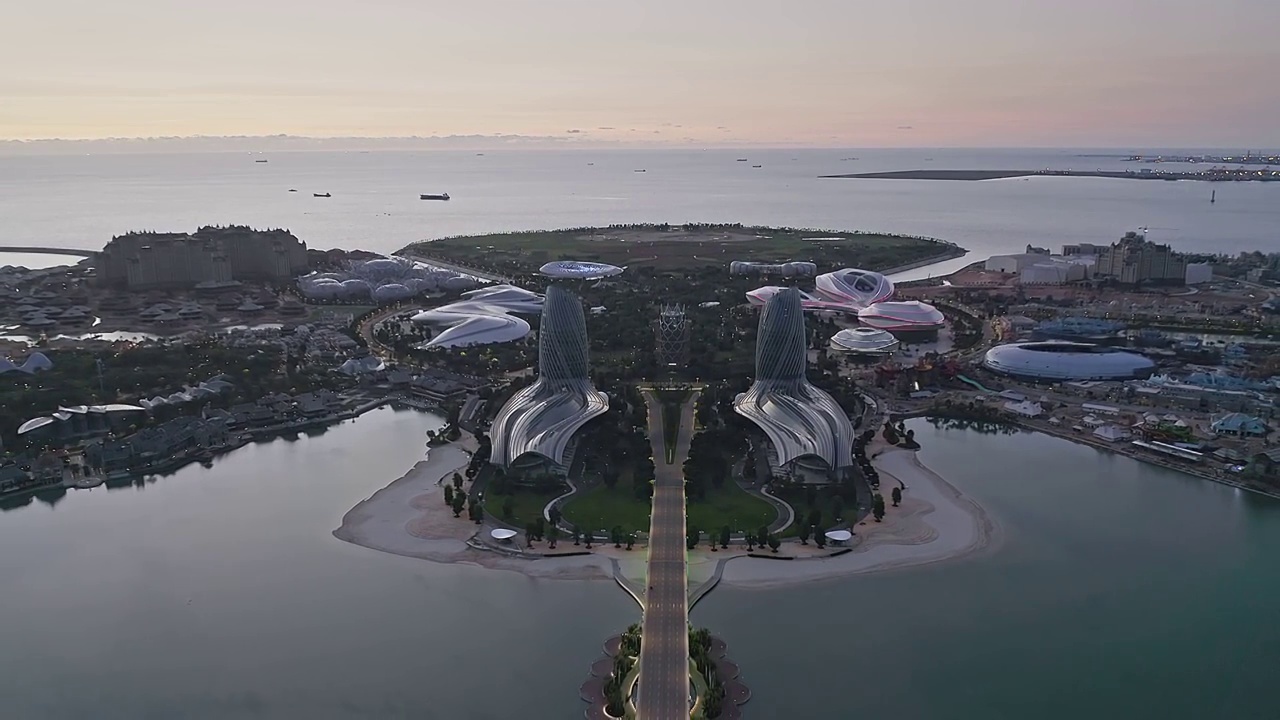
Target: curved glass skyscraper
x=805 y=425
x=537 y=423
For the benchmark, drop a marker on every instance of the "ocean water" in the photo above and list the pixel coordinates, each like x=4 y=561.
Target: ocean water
x=81 y=201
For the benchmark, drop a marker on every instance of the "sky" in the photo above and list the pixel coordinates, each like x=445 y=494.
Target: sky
x=848 y=73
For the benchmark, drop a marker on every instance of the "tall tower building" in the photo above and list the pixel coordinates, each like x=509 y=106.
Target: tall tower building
x=536 y=426
x=811 y=435
x=671 y=337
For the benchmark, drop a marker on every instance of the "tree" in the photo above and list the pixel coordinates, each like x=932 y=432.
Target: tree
x=539 y=528
x=819 y=538
x=610 y=478
x=631 y=540
x=877 y=507
x=617 y=536
x=530 y=534
x=475 y=511
x=554 y=514
x=896 y=495
x=804 y=534
x=553 y=534
x=762 y=535
x=815 y=518
x=508 y=509
x=724 y=537
x=774 y=543
x=448 y=495
x=587 y=537
x=837 y=507
x=751 y=539
x=693 y=537
x=577 y=536
x=457 y=481
x=459 y=502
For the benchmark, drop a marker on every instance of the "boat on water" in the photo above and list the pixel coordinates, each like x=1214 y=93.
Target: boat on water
x=293 y=190
x=321 y=195
x=742 y=159
x=434 y=196
x=756 y=166
x=259 y=161
x=639 y=170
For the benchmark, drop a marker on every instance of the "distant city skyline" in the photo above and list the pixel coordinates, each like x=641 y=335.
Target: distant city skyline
x=822 y=73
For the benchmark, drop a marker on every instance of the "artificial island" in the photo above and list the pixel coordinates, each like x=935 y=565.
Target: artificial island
x=669 y=407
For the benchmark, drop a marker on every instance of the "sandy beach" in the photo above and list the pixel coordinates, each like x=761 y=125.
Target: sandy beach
x=934 y=523
x=409 y=517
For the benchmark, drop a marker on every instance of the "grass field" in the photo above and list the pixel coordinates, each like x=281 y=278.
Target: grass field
x=527 y=505
x=730 y=505
x=684 y=247
x=601 y=507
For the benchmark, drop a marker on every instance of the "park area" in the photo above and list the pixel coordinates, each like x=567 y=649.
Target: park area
x=682 y=247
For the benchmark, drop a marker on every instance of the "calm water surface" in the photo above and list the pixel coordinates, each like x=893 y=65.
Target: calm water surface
x=1120 y=591
x=220 y=593
x=81 y=201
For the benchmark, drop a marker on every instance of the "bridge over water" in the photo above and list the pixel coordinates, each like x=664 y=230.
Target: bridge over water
x=664 y=690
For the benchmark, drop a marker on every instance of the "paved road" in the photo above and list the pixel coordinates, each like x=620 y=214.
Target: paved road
x=664 y=650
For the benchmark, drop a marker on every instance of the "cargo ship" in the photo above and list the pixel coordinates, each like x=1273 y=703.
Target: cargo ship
x=433 y=196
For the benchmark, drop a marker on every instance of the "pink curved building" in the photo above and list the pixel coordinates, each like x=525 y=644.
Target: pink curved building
x=855 y=287
x=911 y=316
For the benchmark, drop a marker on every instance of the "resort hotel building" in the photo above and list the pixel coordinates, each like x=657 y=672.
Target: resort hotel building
x=810 y=436
x=534 y=431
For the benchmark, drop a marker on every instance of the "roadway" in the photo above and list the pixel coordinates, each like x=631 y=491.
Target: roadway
x=664 y=692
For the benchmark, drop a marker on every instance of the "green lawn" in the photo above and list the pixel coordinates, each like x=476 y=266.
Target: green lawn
x=526 y=505
x=796 y=498
x=600 y=507
x=730 y=505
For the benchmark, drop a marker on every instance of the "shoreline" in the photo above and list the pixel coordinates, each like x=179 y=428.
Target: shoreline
x=980 y=175
x=935 y=523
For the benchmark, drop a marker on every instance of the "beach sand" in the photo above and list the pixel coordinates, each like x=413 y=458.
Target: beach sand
x=409 y=517
x=935 y=522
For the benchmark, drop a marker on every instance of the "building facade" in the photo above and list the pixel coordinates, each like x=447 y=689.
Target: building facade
x=142 y=261
x=671 y=337
x=534 y=429
x=809 y=432
x=1134 y=260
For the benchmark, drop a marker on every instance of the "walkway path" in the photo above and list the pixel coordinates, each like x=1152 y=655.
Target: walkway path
x=664 y=650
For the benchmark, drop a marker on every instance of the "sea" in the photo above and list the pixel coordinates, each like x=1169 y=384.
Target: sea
x=82 y=201
x=1117 y=589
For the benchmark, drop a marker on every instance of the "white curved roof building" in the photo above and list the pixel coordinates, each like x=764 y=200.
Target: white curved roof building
x=804 y=424
x=508 y=297
x=538 y=422
x=761 y=295
x=579 y=270
x=383 y=279
x=855 y=287
x=34 y=363
x=905 y=316
x=865 y=341
x=1062 y=360
x=471 y=323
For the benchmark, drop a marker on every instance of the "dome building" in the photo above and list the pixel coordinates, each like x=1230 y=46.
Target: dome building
x=909 y=319
x=865 y=341
x=1057 y=361
x=851 y=286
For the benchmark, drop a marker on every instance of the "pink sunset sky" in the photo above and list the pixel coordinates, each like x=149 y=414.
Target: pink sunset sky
x=859 y=73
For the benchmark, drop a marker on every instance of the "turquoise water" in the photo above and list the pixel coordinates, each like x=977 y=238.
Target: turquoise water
x=1119 y=590
x=220 y=593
